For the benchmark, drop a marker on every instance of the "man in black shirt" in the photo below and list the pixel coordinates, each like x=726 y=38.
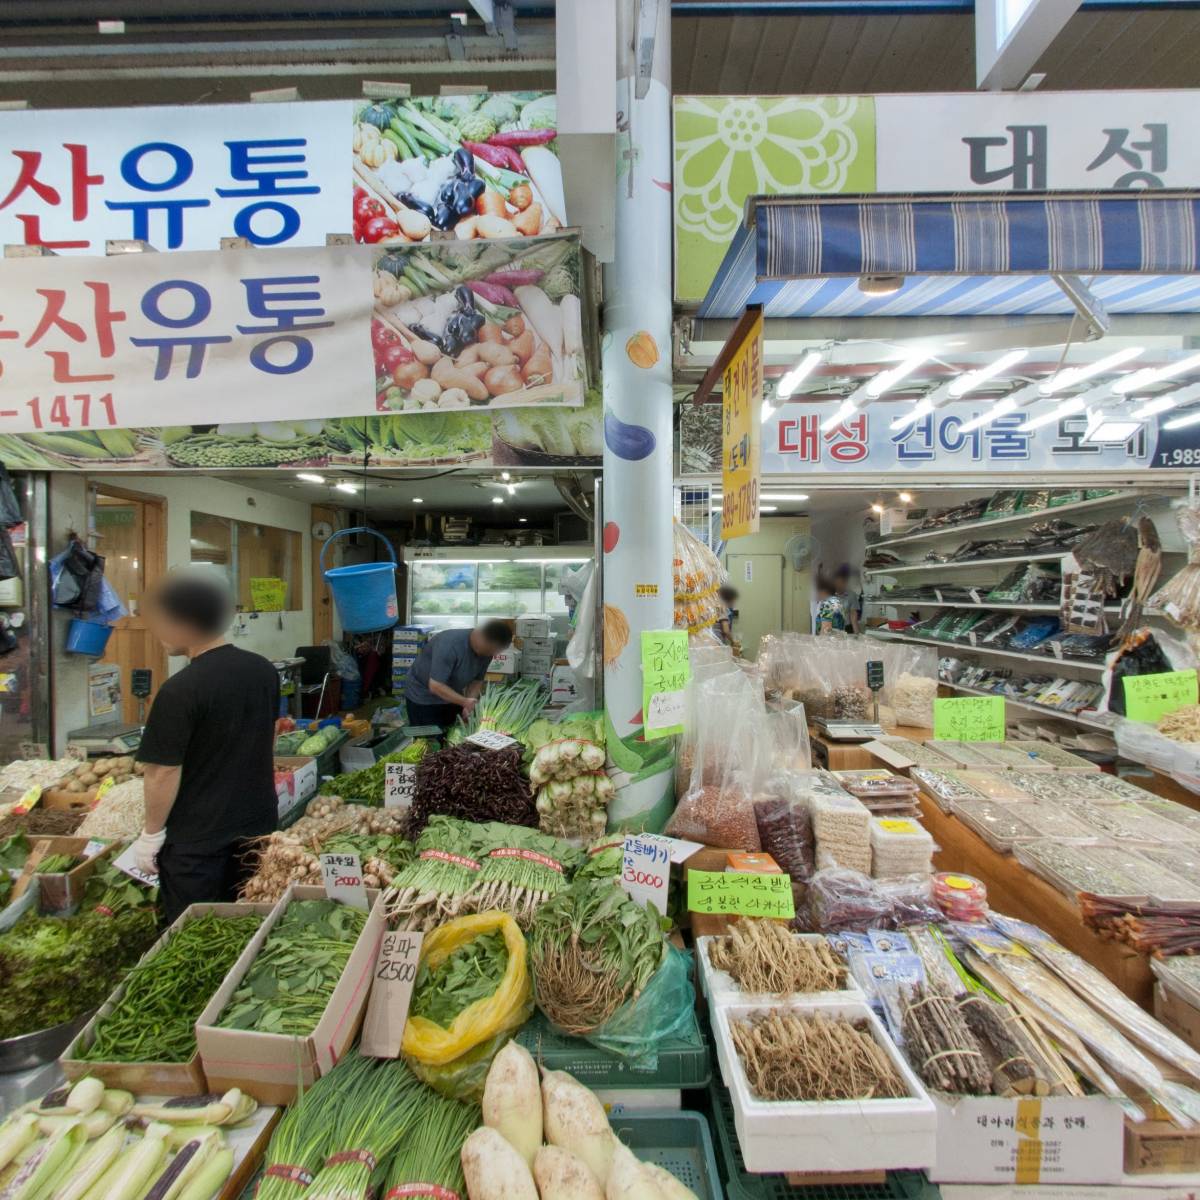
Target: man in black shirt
x=207 y=749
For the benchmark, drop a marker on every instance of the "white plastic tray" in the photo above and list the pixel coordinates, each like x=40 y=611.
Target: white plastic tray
x=830 y=1135
x=721 y=990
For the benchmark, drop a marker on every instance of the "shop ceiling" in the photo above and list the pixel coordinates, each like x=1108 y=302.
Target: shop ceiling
x=188 y=51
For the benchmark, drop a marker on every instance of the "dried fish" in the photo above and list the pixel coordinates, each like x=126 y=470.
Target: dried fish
x=1179 y=597
x=1149 y=877
x=1110 y=552
x=943 y=786
x=1147 y=569
x=1127 y=821
x=1072 y=869
x=999 y=824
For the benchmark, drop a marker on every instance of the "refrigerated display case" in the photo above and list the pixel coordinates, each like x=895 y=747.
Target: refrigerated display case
x=452 y=591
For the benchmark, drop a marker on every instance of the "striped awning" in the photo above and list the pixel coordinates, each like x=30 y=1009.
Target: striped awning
x=964 y=256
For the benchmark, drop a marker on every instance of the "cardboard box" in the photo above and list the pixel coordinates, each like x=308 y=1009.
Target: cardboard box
x=563 y=688
x=754 y=863
x=1160 y=1148
x=1056 y=1140
x=538 y=662
x=506 y=662
x=532 y=627
x=296 y=780
x=59 y=892
x=411 y=635
x=538 y=645
x=150 y=1078
x=1180 y=1017
x=269 y=1066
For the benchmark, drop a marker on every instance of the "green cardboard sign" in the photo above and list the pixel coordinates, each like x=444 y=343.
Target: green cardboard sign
x=750 y=894
x=1148 y=697
x=666 y=669
x=969 y=719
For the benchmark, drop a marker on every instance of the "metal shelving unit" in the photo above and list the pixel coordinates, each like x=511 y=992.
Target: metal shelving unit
x=1045 y=660
x=1040 y=709
x=1056 y=556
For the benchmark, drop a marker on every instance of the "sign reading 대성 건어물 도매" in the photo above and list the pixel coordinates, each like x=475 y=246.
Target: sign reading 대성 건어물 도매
x=741 y=432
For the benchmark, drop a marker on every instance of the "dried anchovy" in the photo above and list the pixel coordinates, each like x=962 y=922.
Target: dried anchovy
x=1118 y=789
x=1052 y=821
x=962 y=753
x=1189 y=818
x=1128 y=822
x=943 y=786
x=1073 y=869
x=997 y=823
x=996 y=785
x=1052 y=755
x=921 y=754
x=1151 y=879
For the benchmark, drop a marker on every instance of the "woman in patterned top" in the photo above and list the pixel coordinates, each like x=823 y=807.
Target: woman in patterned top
x=830 y=618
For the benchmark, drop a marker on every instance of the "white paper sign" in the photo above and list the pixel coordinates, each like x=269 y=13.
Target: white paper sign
x=399 y=785
x=342 y=876
x=646 y=869
x=391 y=993
x=490 y=740
x=680 y=849
x=93 y=848
x=666 y=710
x=125 y=862
x=748 y=570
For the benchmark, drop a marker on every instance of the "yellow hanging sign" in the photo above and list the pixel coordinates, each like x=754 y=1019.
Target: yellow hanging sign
x=741 y=434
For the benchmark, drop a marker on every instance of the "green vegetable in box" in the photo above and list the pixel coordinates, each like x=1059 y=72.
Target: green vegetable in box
x=287 y=744
x=366 y=786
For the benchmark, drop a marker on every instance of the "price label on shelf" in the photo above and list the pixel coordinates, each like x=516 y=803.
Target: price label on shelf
x=490 y=740
x=749 y=893
x=646 y=869
x=342 y=876
x=400 y=785
x=391 y=993
x=125 y=862
x=1148 y=697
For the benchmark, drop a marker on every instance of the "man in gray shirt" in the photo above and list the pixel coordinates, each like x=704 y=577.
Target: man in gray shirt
x=447 y=677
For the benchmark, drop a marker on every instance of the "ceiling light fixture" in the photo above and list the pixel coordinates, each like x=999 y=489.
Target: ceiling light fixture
x=1110 y=428
x=1000 y=409
x=877 y=508
x=923 y=409
x=1190 y=418
x=768 y=508
x=1153 y=407
x=1073 y=375
x=838 y=415
x=973 y=379
x=791 y=380
x=1149 y=375
x=886 y=380
x=905 y=497
x=346 y=486
x=308 y=477
x=418 y=500
x=768 y=411
x=497 y=499
x=781 y=496
x=505 y=475
x=512 y=489
x=1073 y=405
x=522 y=520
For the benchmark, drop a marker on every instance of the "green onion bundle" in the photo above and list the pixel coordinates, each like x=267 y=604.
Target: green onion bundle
x=520 y=870
x=506 y=708
x=155 y=1019
x=298 y=1146
x=433 y=887
x=428 y=1162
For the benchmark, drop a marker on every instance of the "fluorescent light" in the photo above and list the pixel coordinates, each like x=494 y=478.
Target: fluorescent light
x=308 y=477
x=836 y=417
x=1073 y=375
x=1001 y=408
x=783 y=495
x=497 y=499
x=768 y=411
x=1110 y=429
x=1065 y=409
x=877 y=508
x=923 y=408
x=346 y=487
x=791 y=380
x=512 y=489
x=522 y=520
x=768 y=508
x=1153 y=407
x=973 y=379
x=417 y=500
x=905 y=497
x=1191 y=418
x=886 y=380
x=1149 y=375
x=505 y=475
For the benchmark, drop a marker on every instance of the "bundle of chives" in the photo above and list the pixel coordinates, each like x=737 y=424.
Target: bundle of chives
x=428 y=1164
x=521 y=870
x=430 y=889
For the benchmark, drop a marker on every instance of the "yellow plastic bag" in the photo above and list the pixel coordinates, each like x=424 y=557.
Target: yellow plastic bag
x=504 y=1011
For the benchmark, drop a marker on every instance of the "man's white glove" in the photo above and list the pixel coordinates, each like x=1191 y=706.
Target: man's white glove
x=145 y=851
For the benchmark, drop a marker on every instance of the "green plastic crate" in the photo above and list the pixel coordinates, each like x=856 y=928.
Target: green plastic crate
x=680 y=1142
x=683 y=1062
x=740 y=1184
x=327 y=761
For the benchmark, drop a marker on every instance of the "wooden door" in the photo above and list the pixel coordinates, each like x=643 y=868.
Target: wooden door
x=132 y=535
x=759 y=582
x=322 y=599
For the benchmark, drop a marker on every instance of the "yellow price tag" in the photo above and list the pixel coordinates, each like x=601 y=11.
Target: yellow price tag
x=28 y=800
x=893 y=825
x=106 y=785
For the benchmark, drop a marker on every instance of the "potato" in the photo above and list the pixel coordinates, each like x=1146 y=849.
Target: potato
x=75 y=787
x=501 y=380
x=88 y=780
x=450 y=376
x=125 y=762
x=492 y=226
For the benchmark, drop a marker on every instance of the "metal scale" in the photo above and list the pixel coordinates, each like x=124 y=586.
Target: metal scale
x=858 y=731
x=114 y=737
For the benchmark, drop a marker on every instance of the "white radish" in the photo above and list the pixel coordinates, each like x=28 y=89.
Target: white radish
x=560 y=1175
x=545 y=173
x=546 y=319
x=512 y=1100
x=670 y=1187
x=628 y=1179
x=574 y=1118
x=572 y=324
x=494 y=1170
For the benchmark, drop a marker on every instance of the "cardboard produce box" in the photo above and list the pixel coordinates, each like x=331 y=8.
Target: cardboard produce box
x=532 y=627
x=1160 y=1148
x=59 y=891
x=269 y=1066
x=150 y=1078
x=296 y=781
x=1180 y=1017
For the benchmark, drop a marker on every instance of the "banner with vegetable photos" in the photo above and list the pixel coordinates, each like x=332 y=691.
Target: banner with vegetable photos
x=280 y=174
x=484 y=166
x=522 y=437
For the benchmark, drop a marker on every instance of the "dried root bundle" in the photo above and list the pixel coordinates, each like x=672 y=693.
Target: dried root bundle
x=1017 y=1067
x=788 y=1055
x=763 y=956
x=941 y=1046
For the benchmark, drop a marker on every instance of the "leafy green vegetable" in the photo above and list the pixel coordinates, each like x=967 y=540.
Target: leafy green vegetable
x=13 y=852
x=470 y=973
x=541 y=113
x=454 y=108
x=366 y=786
x=499 y=108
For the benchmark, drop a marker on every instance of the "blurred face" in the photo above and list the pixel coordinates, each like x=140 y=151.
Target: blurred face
x=175 y=637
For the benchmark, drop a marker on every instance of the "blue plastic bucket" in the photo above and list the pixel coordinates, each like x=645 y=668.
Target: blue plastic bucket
x=87 y=637
x=365 y=595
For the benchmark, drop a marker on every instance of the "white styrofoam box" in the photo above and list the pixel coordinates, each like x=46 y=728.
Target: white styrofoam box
x=988 y=1139
x=828 y=1135
x=721 y=990
x=505 y=663
x=533 y=627
x=538 y=645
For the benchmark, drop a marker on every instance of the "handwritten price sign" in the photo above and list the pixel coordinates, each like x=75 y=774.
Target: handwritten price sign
x=646 y=869
x=490 y=740
x=969 y=719
x=342 y=876
x=751 y=895
x=1148 y=697
x=400 y=785
x=666 y=669
x=391 y=994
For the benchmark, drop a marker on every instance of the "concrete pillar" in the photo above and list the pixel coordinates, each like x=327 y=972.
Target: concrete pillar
x=638 y=592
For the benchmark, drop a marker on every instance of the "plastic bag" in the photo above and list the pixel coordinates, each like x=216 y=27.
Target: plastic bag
x=662 y=1010
x=455 y=1061
x=785 y=829
x=698 y=575
x=343 y=663
x=841 y=900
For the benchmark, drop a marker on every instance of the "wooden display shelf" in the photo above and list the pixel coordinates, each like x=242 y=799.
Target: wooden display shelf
x=1016 y=892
